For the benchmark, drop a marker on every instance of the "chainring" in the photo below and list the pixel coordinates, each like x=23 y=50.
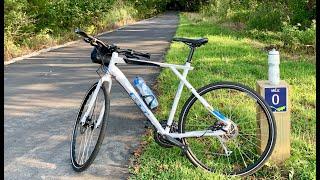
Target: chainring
x=158 y=137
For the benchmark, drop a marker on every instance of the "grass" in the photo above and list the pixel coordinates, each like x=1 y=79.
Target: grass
x=230 y=56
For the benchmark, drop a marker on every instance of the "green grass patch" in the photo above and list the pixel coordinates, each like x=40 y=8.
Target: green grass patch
x=231 y=56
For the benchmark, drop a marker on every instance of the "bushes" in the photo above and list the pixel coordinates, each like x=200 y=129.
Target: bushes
x=302 y=12
x=216 y=8
x=293 y=37
x=34 y=24
x=266 y=17
x=147 y=8
x=260 y=14
x=291 y=22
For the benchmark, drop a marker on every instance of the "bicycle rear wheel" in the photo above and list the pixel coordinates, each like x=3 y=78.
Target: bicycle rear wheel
x=86 y=139
x=243 y=106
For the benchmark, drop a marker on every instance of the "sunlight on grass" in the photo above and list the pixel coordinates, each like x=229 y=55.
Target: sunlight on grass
x=229 y=56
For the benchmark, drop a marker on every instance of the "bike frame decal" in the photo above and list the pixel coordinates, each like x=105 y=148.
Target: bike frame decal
x=219 y=115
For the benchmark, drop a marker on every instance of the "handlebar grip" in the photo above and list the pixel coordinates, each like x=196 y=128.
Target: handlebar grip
x=82 y=33
x=146 y=55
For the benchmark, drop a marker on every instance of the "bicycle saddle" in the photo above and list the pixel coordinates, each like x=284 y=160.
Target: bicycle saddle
x=192 y=42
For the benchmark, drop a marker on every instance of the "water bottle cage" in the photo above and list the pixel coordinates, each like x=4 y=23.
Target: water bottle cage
x=144 y=97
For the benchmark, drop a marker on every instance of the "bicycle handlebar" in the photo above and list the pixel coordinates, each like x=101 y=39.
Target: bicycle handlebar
x=90 y=39
x=133 y=53
x=127 y=52
x=146 y=55
x=80 y=32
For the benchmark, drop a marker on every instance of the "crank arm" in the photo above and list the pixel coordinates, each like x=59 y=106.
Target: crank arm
x=176 y=142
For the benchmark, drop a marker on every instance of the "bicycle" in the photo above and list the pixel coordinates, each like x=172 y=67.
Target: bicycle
x=223 y=139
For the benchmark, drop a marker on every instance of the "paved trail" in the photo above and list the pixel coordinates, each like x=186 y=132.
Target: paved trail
x=42 y=95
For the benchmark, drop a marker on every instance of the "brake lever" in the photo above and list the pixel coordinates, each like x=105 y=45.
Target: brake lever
x=130 y=55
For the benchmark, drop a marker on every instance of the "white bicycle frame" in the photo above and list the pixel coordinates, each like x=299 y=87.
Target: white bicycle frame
x=114 y=71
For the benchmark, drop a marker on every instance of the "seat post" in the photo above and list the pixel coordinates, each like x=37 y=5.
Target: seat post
x=190 y=53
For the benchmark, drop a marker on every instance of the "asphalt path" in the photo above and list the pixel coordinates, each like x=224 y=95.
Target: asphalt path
x=42 y=95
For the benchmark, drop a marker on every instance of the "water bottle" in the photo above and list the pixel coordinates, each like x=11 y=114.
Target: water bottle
x=274 y=71
x=145 y=92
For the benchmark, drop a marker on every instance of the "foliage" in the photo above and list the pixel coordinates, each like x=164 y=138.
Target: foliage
x=266 y=17
x=287 y=24
x=302 y=12
x=218 y=8
x=185 y=5
x=148 y=8
x=34 y=24
x=293 y=36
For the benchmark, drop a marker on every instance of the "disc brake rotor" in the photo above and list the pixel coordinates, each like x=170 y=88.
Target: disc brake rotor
x=232 y=133
x=88 y=124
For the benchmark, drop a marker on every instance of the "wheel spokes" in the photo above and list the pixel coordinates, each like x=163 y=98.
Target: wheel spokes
x=85 y=137
x=241 y=108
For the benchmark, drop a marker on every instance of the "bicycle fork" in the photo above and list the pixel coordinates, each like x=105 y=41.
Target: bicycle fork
x=107 y=80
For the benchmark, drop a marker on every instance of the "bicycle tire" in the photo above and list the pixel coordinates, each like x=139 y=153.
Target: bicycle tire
x=81 y=167
x=237 y=87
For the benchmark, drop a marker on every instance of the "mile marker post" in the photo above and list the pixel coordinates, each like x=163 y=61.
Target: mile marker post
x=276 y=93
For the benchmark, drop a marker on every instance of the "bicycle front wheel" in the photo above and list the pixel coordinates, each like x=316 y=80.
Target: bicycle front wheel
x=87 y=139
x=244 y=149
